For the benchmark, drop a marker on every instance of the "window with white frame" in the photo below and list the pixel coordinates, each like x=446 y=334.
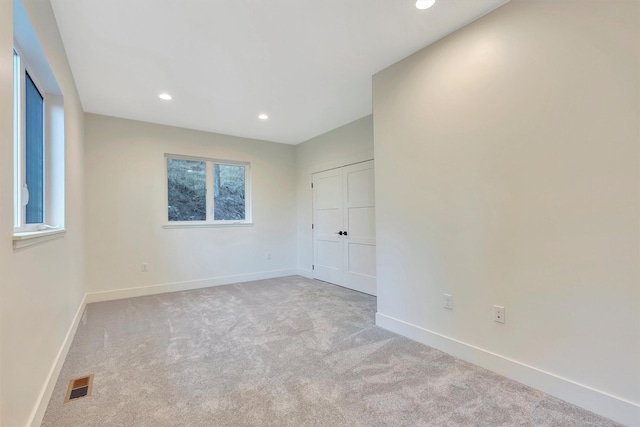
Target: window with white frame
x=38 y=149
x=35 y=113
x=202 y=191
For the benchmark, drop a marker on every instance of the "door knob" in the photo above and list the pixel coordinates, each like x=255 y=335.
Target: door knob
x=339 y=232
x=344 y=232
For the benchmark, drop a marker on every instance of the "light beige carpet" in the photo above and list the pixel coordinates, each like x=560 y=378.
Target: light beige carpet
x=281 y=352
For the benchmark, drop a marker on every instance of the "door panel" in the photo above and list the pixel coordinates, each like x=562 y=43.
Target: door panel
x=362 y=225
x=360 y=189
x=327 y=190
x=344 y=200
x=327 y=220
x=359 y=220
x=362 y=260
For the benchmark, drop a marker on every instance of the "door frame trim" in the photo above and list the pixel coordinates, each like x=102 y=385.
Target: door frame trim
x=361 y=157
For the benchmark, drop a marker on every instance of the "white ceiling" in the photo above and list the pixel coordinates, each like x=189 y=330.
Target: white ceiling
x=306 y=63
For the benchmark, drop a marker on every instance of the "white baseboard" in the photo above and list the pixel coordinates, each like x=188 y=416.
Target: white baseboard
x=185 y=286
x=47 y=390
x=305 y=273
x=615 y=408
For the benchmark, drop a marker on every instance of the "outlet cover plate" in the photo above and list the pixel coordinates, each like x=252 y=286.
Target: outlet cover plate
x=448 y=301
x=498 y=313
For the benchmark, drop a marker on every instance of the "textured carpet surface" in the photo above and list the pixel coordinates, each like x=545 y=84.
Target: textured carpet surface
x=281 y=352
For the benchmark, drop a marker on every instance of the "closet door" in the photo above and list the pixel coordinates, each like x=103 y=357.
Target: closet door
x=344 y=227
x=359 y=245
x=327 y=223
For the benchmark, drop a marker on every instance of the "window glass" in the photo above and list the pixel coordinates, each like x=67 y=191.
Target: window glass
x=228 y=192
x=208 y=192
x=34 y=152
x=187 y=190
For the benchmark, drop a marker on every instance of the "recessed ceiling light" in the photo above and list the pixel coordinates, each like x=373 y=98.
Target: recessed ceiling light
x=424 y=4
x=263 y=117
x=165 y=96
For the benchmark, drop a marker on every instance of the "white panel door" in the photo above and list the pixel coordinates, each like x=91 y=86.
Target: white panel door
x=359 y=251
x=344 y=243
x=327 y=222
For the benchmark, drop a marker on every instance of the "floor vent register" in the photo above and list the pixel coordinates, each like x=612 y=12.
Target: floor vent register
x=78 y=388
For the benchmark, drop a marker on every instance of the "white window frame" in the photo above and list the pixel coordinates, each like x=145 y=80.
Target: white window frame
x=33 y=60
x=210 y=200
x=19 y=156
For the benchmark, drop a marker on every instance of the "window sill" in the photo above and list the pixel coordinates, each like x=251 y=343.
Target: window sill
x=29 y=238
x=208 y=225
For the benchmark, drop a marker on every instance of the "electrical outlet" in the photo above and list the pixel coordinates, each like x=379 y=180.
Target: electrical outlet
x=145 y=267
x=448 y=301
x=498 y=313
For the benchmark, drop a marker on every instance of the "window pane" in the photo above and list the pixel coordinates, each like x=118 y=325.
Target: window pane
x=228 y=192
x=187 y=190
x=34 y=152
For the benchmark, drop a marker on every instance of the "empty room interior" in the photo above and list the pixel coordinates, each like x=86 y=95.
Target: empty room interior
x=320 y=212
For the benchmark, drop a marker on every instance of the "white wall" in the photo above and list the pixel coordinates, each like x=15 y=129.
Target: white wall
x=41 y=287
x=125 y=208
x=507 y=172
x=345 y=145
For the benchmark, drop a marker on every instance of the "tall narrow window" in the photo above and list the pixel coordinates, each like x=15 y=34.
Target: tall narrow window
x=38 y=140
x=34 y=152
x=207 y=191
